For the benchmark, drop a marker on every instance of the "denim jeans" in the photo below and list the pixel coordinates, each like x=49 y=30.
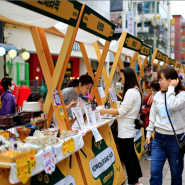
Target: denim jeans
x=166 y=147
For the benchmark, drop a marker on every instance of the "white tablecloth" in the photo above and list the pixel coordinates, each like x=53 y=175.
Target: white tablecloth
x=40 y=167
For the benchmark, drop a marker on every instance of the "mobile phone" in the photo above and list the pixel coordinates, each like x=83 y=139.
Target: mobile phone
x=147 y=146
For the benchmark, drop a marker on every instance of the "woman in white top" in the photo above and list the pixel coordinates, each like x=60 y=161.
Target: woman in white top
x=165 y=145
x=128 y=112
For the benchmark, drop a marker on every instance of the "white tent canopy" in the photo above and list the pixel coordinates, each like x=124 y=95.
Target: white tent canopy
x=23 y=15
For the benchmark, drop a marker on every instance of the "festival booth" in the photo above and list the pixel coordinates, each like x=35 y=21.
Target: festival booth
x=70 y=158
x=159 y=59
x=131 y=47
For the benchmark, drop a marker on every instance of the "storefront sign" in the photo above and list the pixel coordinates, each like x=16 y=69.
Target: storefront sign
x=63 y=11
x=68 y=146
x=100 y=160
x=130 y=22
x=25 y=164
x=116 y=18
x=96 y=24
x=132 y=43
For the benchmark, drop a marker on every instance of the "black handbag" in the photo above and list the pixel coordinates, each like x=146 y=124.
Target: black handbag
x=180 y=142
x=138 y=122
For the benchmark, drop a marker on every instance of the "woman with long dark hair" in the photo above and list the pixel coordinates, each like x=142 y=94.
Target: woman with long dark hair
x=164 y=145
x=128 y=112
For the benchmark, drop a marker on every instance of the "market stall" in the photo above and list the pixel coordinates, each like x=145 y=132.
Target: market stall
x=60 y=165
x=159 y=59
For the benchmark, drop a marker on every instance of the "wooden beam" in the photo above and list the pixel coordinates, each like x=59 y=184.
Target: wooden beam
x=89 y=69
x=46 y=71
x=116 y=59
x=99 y=70
x=62 y=62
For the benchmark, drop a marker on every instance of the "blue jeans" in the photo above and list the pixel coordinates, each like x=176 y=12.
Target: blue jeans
x=166 y=147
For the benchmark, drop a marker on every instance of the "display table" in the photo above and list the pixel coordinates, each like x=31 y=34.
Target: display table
x=100 y=160
x=78 y=139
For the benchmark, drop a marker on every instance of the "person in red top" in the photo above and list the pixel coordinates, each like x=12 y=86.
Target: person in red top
x=147 y=103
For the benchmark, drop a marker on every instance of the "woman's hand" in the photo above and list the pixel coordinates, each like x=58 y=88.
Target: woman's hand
x=103 y=111
x=71 y=104
x=148 y=140
x=174 y=83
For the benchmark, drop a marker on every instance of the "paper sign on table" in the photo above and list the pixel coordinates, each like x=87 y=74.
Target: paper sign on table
x=113 y=94
x=97 y=115
x=68 y=146
x=25 y=164
x=89 y=114
x=49 y=160
x=4 y=134
x=96 y=134
x=56 y=97
x=77 y=113
x=101 y=92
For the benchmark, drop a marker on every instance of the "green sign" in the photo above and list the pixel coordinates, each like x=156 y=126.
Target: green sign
x=96 y=24
x=133 y=43
x=63 y=11
x=159 y=55
x=145 y=50
x=165 y=58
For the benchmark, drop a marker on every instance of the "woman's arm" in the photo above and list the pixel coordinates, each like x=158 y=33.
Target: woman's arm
x=125 y=106
x=175 y=102
x=152 y=118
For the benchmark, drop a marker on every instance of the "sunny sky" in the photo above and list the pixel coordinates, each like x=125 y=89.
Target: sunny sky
x=177 y=8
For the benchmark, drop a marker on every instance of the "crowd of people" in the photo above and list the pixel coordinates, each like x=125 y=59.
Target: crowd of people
x=165 y=104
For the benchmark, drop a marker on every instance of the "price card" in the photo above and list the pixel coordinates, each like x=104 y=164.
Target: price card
x=89 y=114
x=25 y=164
x=96 y=134
x=56 y=97
x=97 y=115
x=49 y=160
x=113 y=94
x=68 y=146
x=77 y=113
x=101 y=92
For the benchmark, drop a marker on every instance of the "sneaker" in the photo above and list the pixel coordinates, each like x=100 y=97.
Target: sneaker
x=146 y=154
x=139 y=183
x=148 y=158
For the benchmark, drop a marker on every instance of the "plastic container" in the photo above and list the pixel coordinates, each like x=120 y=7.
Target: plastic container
x=33 y=129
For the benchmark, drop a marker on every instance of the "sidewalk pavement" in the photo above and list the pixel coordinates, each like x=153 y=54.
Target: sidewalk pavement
x=145 y=166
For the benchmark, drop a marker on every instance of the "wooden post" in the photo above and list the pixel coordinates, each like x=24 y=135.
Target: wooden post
x=89 y=69
x=46 y=71
x=99 y=70
x=62 y=62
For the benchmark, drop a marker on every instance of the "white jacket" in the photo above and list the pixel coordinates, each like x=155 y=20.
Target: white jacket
x=176 y=109
x=128 y=112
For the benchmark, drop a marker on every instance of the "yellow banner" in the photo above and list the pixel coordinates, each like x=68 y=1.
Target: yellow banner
x=66 y=172
x=25 y=164
x=100 y=160
x=139 y=142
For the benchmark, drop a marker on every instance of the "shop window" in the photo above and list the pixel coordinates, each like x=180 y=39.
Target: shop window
x=116 y=6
